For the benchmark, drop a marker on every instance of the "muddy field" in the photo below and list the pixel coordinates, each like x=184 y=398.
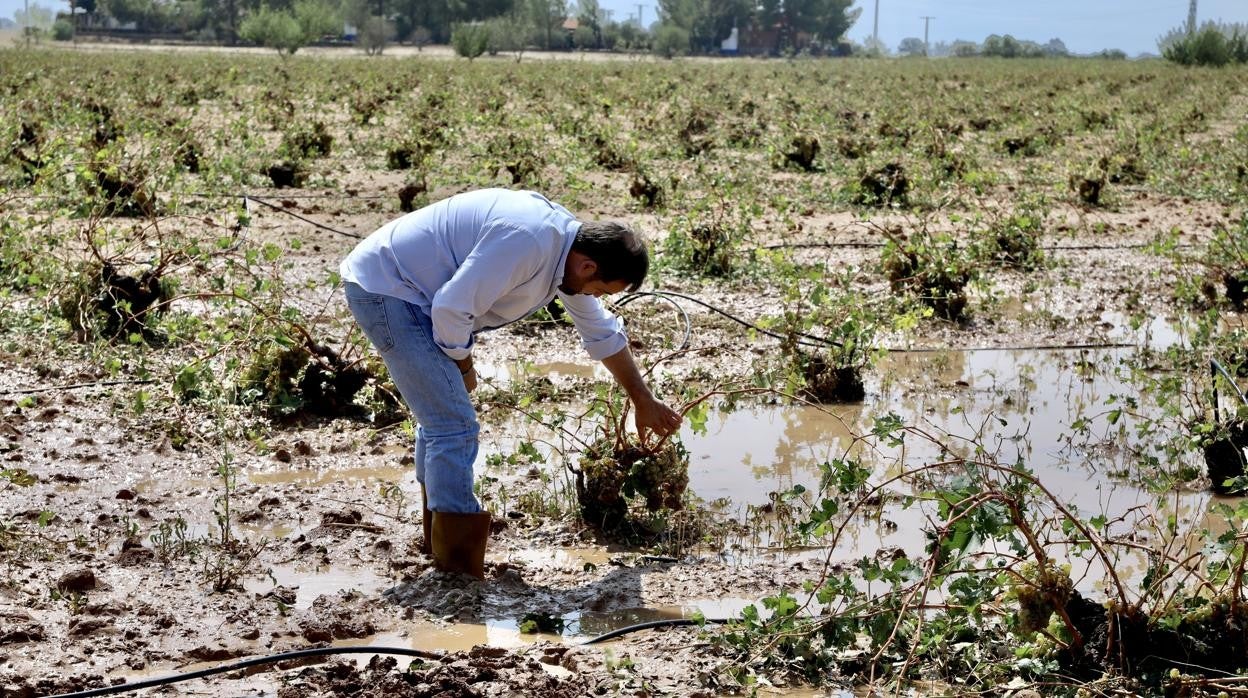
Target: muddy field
x=172 y=501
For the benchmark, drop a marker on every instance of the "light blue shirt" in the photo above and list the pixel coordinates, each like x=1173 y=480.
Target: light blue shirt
x=480 y=260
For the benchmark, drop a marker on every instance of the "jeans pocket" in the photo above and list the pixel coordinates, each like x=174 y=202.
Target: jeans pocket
x=371 y=315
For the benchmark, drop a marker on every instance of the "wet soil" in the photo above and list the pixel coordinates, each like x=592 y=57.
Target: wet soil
x=106 y=576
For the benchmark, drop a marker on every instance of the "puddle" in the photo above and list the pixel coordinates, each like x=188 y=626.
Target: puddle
x=1022 y=406
x=314 y=583
x=1158 y=333
x=1019 y=405
x=505 y=632
x=520 y=370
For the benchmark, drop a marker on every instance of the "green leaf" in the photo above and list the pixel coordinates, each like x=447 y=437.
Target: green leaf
x=697 y=416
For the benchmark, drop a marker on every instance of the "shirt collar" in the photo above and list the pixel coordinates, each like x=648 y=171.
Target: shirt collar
x=569 y=235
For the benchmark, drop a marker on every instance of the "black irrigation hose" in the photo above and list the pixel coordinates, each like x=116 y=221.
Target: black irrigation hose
x=665 y=623
x=309 y=221
x=328 y=651
x=804 y=339
x=867 y=244
x=254 y=661
x=1215 y=369
x=684 y=344
x=77 y=386
x=823 y=342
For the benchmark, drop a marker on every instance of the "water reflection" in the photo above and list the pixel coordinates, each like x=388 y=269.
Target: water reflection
x=1049 y=411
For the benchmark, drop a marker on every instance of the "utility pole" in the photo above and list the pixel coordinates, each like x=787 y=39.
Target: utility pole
x=26 y=24
x=640 y=9
x=875 y=31
x=927 y=23
x=1191 y=18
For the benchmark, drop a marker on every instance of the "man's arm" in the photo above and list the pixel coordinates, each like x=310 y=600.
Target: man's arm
x=649 y=414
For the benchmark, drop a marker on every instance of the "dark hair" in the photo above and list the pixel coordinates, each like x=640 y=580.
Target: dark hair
x=617 y=249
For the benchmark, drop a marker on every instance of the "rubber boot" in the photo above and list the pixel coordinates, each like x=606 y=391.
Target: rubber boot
x=459 y=542
x=426 y=545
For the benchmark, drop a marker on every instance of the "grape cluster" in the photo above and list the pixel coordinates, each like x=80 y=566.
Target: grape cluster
x=1036 y=597
x=601 y=479
x=662 y=477
x=659 y=477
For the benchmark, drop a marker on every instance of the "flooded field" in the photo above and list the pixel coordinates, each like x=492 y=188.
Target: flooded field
x=958 y=435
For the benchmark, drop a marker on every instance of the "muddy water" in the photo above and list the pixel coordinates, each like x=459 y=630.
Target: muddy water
x=1022 y=407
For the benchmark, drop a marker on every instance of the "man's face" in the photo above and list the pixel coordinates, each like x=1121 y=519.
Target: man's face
x=598 y=289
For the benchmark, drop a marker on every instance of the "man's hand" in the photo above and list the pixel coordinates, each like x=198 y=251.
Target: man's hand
x=468 y=371
x=652 y=416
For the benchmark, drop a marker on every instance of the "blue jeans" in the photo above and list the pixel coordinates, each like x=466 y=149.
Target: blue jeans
x=432 y=387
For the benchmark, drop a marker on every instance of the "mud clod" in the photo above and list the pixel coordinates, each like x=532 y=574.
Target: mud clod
x=884 y=186
x=289 y=173
x=410 y=193
x=76 y=582
x=803 y=151
x=830 y=384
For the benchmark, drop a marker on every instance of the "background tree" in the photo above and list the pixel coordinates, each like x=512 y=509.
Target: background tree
x=1000 y=46
x=1056 y=48
x=707 y=22
x=374 y=34
x=420 y=37
x=1211 y=44
x=670 y=41
x=470 y=39
x=632 y=37
x=441 y=16
x=912 y=46
x=317 y=19
x=356 y=13
x=962 y=48
x=508 y=33
x=588 y=16
x=287 y=31
x=35 y=22
x=825 y=20
x=147 y=15
x=546 y=17
x=275 y=29
x=874 y=48
x=584 y=38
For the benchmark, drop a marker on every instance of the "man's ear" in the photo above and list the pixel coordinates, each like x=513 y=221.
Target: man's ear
x=589 y=268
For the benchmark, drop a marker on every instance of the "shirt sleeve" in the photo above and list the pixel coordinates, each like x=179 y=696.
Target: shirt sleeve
x=602 y=334
x=503 y=259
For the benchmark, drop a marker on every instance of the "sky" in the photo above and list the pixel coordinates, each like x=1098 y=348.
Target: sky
x=1086 y=26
